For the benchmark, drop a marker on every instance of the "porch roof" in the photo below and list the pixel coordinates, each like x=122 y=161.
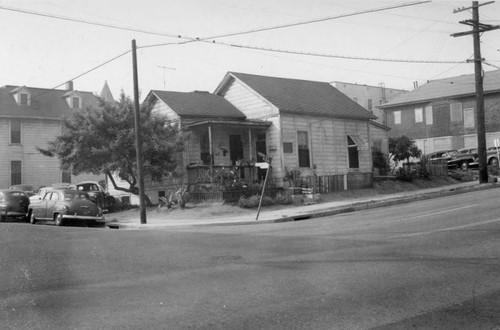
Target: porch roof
x=233 y=123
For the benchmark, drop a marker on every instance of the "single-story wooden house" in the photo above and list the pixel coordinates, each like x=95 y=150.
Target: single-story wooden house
x=315 y=129
x=305 y=128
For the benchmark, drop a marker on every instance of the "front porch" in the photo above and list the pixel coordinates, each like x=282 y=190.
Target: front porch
x=219 y=149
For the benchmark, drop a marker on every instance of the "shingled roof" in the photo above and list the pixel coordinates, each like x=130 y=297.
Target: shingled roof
x=460 y=86
x=45 y=103
x=198 y=104
x=303 y=97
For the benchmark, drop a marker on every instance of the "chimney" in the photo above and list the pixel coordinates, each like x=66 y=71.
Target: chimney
x=69 y=85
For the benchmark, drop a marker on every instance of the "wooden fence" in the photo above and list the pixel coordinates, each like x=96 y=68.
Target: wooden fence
x=230 y=196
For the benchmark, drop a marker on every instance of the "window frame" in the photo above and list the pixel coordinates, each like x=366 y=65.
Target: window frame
x=15 y=135
x=16 y=177
x=352 y=153
x=303 y=150
x=397 y=117
x=419 y=115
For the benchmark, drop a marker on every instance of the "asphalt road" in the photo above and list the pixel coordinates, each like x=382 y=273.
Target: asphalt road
x=375 y=268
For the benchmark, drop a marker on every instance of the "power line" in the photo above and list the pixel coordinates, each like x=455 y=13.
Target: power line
x=294 y=52
x=88 y=71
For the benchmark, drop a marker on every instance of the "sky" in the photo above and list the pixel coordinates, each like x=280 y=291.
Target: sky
x=40 y=50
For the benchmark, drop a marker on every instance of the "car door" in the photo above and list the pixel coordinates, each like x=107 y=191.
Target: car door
x=40 y=207
x=52 y=204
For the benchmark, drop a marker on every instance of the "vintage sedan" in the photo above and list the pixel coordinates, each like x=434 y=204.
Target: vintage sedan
x=97 y=194
x=13 y=204
x=64 y=205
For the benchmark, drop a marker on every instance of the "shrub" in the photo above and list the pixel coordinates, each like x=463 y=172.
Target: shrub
x=404 y=174
x=249 y=202
x=381 y=161
x=284 y=199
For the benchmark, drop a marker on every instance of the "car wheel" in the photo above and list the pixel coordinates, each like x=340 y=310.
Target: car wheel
x=494 y=161
x=464 y=165
x=32 y=217
x=58 y=219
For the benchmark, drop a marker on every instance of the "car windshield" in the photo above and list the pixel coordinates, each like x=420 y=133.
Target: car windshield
x=452 y=153
x=71 y=196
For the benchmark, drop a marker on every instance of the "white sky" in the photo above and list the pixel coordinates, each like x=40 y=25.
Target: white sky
x=45 y=52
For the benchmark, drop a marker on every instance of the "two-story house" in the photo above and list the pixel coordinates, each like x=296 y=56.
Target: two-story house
x=29 y=118
x=441 y=114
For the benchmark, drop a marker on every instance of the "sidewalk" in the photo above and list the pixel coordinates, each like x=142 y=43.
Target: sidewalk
x=131 y=220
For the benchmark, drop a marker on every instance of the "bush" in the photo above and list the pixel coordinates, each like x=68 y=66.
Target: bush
x=284 y=199
x=404 y=174
x=249 y=202
x=381 y=161
x=253 y=201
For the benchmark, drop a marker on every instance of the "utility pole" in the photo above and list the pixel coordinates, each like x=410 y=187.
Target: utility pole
x=138 y=137
x=477 y=29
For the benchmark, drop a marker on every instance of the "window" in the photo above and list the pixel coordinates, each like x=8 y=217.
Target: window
x=288 y=147
x=428 y=115
x=456 y=111
x=23 y=99
x=469 y=121
x=15 y=132
x=419 y=117
x=303 y=147
x=352 y=152
x=397 y=117
x=76 y=102
x=370 y=104
x=15 y=172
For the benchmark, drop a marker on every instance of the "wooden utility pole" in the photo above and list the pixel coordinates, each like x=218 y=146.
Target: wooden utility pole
x=138 y=137
x=477 y=29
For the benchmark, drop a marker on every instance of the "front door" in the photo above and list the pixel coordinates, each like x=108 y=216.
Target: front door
x=235 y=148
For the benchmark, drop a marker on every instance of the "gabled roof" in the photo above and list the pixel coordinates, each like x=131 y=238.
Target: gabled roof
x=460 y=86
x=197 y=104
x=301 y=97
x=45 y=103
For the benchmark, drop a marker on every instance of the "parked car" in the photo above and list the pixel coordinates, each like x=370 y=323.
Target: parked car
x=26 y=188
x=43 y=190
x=491 y=155
x=97 y=194
x=453 y=158
x=62 y=205
x=13 y=204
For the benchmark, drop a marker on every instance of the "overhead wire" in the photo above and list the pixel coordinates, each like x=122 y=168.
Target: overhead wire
x=211 y=40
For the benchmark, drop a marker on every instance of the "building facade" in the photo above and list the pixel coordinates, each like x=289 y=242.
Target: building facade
x=369 y=97
x=30 y=118
x=442 y=113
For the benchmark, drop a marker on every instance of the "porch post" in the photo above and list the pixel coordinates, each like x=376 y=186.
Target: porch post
x=210 y=145
x=250 y=149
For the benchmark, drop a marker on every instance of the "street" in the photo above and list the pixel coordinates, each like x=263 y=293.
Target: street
x=362 y=270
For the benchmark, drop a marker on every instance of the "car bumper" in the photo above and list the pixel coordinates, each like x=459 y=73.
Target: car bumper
x=82 y=217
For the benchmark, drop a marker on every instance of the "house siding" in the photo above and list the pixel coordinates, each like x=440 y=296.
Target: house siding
x=253 y=106
x=37 y=169
x=327 y=144
x=161 y=108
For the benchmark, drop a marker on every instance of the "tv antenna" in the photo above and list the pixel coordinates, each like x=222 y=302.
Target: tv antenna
x=165 y=68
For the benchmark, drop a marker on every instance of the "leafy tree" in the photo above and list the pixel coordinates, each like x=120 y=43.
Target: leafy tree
x=101 y=140
x=403 y=148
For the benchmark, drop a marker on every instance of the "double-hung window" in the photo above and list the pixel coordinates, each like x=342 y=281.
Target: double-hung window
x=303 y=149
x=15 y=132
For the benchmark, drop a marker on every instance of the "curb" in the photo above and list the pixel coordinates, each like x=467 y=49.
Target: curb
x=353 y=207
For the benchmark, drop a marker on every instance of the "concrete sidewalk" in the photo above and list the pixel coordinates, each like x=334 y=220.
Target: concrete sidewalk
x=301 y=212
